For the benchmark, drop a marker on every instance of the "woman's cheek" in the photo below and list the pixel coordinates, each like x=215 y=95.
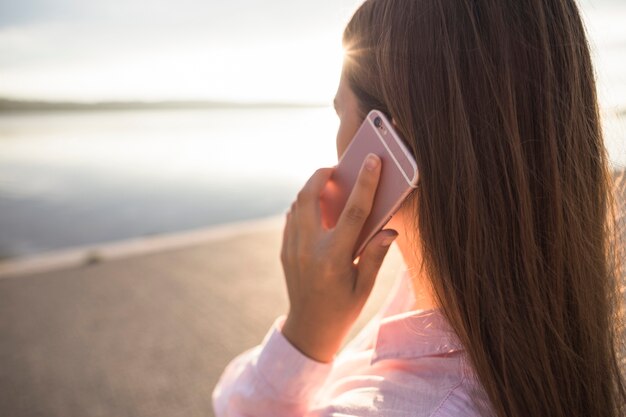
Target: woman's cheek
x=344 y=135
x=341 y=145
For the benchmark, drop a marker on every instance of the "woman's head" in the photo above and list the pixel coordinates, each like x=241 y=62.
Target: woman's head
x=496 y=100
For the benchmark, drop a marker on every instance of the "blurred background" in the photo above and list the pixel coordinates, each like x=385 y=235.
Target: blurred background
x=130 y=118
x=149 y=120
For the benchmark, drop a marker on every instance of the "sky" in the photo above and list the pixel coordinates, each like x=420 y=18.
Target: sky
x=236 y=50
x=233 y=50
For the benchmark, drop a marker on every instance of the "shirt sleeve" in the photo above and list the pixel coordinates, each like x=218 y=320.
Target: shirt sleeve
x=270 y=379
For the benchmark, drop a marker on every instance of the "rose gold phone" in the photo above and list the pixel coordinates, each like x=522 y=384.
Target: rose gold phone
x=398 y=176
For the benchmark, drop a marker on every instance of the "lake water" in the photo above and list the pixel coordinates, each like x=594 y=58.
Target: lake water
x=74 y=179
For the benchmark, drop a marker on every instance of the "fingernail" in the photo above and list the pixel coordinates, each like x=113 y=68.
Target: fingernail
x=371 y=162
x=389 y=240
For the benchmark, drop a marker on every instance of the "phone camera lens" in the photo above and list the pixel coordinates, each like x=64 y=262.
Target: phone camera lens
x=378 y=122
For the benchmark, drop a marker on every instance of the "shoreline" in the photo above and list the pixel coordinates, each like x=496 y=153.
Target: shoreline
x=101 y=252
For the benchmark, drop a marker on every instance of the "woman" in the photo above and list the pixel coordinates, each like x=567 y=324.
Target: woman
x=508 y=241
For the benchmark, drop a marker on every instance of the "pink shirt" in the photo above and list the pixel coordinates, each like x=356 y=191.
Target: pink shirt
x=402 y=363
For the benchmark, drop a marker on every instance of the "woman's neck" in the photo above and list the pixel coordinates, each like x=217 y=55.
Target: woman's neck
x=420 y=282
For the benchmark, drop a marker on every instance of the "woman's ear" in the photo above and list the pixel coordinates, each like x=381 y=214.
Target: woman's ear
x=393 y=122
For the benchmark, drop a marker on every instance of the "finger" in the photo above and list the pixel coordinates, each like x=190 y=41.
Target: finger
x=310 y=216
x=371 y=259
x=358 y=206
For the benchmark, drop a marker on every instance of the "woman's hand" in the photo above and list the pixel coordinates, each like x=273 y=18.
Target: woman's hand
x=327 y=291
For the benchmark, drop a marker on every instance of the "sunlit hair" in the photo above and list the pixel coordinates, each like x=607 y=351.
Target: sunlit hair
x=516 y=215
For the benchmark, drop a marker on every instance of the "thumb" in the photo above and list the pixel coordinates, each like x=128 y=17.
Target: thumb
x=372 y=258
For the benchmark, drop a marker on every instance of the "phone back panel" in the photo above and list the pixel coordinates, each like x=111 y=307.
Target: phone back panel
x=398 y=177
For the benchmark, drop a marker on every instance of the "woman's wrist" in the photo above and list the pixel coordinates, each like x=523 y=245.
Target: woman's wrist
x=317 y=346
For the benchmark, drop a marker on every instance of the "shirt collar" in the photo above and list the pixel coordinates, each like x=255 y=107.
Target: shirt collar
x=414 y=334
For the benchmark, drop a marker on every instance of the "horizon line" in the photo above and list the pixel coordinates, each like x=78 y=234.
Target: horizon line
x=8 y=104
x=18 y=105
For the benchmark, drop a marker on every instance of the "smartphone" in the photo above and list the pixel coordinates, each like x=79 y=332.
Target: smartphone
x=398 y=177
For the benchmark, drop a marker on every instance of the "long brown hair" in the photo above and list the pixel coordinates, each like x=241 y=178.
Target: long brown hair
x=516 y=212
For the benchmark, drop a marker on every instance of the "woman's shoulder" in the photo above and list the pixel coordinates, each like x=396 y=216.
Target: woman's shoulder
x=416 y=366
x=426 y=386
